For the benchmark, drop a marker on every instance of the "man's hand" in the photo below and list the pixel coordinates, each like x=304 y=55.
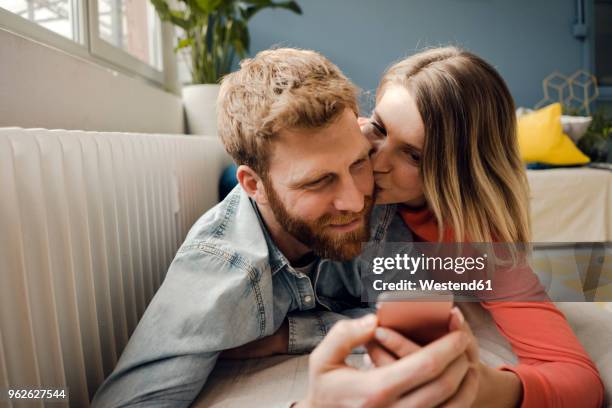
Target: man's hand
x=268 y=346
x=400 y=383
x=456 y=385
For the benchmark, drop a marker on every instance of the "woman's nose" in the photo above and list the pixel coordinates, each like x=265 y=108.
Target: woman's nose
x=380 y=160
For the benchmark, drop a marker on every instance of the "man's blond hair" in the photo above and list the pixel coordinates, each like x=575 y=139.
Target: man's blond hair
x=279 y=89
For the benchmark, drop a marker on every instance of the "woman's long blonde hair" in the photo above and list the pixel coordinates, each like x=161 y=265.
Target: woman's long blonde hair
x=473 y=177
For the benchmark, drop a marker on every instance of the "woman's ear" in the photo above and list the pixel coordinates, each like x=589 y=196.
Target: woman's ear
x=252 y=184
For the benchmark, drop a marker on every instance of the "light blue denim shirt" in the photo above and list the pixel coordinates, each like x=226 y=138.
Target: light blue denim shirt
x=228 y=285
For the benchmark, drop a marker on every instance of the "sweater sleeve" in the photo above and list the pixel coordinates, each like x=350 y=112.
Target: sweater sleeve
x=554 y=369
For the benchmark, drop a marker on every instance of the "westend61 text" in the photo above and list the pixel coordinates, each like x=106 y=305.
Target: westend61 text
x=404 y=284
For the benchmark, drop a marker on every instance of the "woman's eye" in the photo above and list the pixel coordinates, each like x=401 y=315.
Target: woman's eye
x=380 y=131
x=373 y=133
x=413 y=156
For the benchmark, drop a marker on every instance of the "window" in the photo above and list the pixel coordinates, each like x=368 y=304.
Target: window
x=126 y=34
x=133 y=26
x=59 y=16
x=603 y=42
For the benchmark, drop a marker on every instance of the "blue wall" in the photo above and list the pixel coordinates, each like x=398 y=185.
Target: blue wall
x=525 y=40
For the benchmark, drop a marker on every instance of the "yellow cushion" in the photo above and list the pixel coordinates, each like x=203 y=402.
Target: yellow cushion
x=541 y=138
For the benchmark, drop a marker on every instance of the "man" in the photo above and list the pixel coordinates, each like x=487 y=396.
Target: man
x=270 y=262
x=248 y=267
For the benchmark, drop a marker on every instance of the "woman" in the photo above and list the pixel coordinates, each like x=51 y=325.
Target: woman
x=446 y=151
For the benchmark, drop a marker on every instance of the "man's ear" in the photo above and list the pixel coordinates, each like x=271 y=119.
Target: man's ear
x=251 y=183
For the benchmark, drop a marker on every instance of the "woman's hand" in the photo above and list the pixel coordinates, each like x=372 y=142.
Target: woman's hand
x=494 y=387
x=457 y=383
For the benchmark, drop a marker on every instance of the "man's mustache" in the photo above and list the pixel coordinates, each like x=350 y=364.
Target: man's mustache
x=348 y=217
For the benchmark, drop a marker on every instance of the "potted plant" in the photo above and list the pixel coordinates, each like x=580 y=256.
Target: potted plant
x=214 y=32
x=597 y=142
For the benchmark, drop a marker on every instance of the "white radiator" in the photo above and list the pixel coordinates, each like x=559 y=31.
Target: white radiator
x=89 y=223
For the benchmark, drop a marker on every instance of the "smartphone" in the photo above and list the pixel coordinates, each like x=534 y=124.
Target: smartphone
x=420 y=316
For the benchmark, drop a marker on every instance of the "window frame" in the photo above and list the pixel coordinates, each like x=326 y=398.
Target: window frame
x=605 y=92
x=36 y=32
x=89 y=46
x=116 y=55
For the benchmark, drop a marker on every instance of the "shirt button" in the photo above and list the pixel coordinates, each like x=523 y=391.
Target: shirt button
x=307 y=299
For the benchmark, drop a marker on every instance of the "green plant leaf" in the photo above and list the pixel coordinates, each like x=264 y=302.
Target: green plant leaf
x=175 y=17
x=184 y=43
x=239 y=37
x=595 y=142
x=215 y=31
x=208 y=6
x=162 y=8
x=258 y=5
x=290 y=5
x=179 y=19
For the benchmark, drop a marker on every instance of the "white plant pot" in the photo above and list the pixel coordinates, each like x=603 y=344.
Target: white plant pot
x=200 y=103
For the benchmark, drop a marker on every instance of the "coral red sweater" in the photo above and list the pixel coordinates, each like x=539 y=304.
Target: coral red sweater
x=554 y=368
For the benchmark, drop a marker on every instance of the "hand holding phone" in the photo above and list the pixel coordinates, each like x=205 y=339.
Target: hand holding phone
x=422 y=317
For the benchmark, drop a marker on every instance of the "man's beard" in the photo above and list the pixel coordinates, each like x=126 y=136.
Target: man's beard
x=317 y=235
